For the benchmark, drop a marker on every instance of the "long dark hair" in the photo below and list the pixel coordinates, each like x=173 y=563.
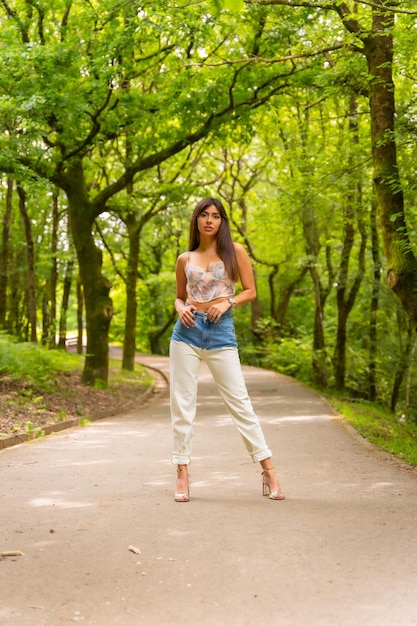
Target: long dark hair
x=224 y=243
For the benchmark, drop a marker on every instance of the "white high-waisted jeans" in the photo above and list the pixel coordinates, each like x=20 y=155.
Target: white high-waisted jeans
x=224 y=365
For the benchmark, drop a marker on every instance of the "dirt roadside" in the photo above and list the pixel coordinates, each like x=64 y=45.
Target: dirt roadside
x=27 y=415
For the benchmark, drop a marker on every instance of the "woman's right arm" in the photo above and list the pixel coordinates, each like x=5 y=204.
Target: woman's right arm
x=185 y=313
x=181 y=284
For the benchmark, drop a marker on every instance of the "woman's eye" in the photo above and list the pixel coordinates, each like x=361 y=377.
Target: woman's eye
x=214 y=216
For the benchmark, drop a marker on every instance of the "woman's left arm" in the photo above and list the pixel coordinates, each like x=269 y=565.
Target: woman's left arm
x=247 y=281
x=247 y=278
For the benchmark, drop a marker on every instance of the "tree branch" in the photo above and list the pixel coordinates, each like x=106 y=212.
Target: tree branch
x=94 y=130
x=258 y=59
x=147 y=162
x=13 y=16
x=329 y=5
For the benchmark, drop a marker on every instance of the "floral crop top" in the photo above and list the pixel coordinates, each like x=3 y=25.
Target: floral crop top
x=205 y=285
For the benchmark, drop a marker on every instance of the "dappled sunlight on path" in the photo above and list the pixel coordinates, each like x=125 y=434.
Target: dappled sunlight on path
x=104 y=543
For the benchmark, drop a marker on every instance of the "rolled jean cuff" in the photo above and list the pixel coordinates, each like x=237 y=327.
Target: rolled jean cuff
x=180 y=459
x=261 y=455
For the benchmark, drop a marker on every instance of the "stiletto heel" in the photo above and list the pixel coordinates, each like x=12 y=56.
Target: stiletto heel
x=183 y=497
x=266 y=489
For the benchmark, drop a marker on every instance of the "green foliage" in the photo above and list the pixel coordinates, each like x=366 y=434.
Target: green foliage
x=217 y=6
x=34 y=364
x=268 y=93
x=288 y=356
x=100 y=384
x=138 y=377
x=33 y=432
x=233 y=5
x=62 y=415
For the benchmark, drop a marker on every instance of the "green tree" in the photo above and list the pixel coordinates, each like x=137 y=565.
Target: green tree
x=372 y=27
x=67 y=105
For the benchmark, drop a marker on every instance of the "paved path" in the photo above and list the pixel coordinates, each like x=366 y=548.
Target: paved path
x=341 y=550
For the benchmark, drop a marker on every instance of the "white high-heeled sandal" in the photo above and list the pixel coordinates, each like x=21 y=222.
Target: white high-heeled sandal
x=266 y=489
x=183 y=497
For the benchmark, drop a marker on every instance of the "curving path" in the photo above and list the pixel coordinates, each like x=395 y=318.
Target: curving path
x=104 y=543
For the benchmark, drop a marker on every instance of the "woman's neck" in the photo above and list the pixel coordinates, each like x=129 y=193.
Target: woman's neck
x=207 y=247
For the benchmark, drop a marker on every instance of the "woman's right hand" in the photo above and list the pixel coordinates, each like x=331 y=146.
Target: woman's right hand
x=187 y=316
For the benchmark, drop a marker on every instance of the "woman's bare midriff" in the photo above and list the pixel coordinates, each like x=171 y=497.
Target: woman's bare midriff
x=203 y=307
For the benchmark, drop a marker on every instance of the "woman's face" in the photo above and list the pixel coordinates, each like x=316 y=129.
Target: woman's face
x=209 y=221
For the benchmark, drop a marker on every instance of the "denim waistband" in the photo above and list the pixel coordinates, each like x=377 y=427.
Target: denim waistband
x=205 y=334
x=205 y=315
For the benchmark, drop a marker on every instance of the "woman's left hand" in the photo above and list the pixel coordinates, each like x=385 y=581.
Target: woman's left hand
x=215 y=312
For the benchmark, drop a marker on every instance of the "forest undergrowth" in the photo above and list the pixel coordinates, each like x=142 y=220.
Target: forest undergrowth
x=40 y=387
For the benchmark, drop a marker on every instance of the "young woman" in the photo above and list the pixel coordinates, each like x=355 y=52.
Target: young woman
x=206 y=278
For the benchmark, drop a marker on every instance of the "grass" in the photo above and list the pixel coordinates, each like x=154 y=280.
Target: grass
x=381 y=428
x=125 y=377
x=35 y=364
x=38 y=366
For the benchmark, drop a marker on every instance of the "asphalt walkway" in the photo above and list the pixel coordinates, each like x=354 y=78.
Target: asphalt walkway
x=103 y=542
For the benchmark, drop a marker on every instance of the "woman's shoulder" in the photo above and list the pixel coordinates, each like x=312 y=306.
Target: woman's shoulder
x=239 y=249
x=183 y=258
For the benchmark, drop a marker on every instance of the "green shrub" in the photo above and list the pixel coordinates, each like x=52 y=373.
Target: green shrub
x=34 y=364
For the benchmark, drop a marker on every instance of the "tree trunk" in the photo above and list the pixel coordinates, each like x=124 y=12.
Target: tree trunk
x=279 y=312
x=339 y=354
x=96 y=287
x=64 y=304
x=409 y=381
x=312 y=246
x=319 y=347
x=4 y=268
x=129 y=340
x=402 y=265
x=134 y=227
x=402 y=367
x=373 y=316
x=45 y=317
x=30 y=283
x=255 y=312
x=80 y=309
x=345 y=299
x=53 y=281
x=155 y=335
